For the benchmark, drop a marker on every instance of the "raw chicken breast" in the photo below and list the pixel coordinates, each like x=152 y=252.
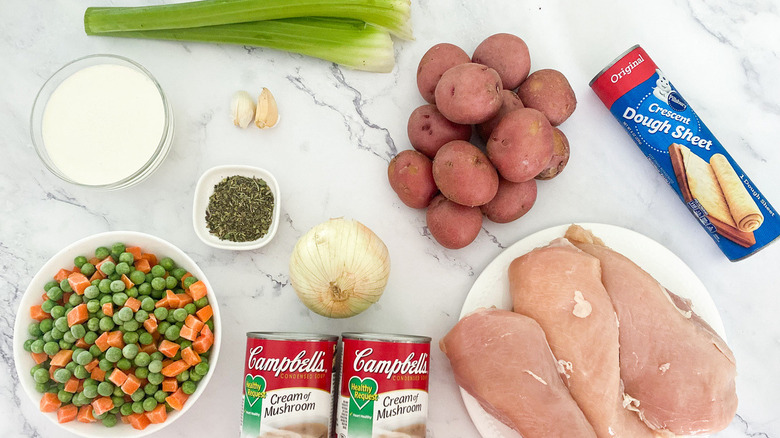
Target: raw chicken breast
x=560 y=287
x=502 y=359
x=678 y=372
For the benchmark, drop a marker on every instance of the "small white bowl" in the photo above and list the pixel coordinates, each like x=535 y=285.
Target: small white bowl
x=64 y=259
x=205 y=189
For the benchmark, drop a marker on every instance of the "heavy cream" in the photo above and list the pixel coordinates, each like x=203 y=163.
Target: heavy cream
x=103 y=123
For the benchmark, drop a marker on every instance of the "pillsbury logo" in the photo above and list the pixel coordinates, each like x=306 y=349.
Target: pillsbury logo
x=664 y=92
x=676 y=102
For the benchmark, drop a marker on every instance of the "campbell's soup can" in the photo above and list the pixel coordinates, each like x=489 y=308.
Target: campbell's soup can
x=383 y=391
x=288 y=385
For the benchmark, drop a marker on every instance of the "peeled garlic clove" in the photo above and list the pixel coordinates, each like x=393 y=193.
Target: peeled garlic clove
x=242 y=107
x=267 y=112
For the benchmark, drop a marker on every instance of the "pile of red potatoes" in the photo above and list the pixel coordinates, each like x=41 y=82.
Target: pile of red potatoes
x=514 y=114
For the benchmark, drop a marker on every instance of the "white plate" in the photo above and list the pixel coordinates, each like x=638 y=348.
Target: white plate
x=492 y=289
x=205 y=189
x=64 y=259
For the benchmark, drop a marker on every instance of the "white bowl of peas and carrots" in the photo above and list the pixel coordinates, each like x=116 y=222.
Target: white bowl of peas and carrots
x=118 y=334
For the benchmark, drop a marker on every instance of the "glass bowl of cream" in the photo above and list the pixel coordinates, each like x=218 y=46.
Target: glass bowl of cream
x=102 y=121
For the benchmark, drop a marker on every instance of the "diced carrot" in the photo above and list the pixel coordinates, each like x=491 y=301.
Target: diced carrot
x=190 y=357
x=65 y=297
x=102 y=341
x=194 y=322
x=163 y=302
x=81 y=386
x=143 y=266
x=198 y=290
x=172 y=299
x=85 y=414
x=81 y=343
x=61 y=275
x=98 y=374
x=203 y=343
x=102 y=404
x=117 y=377
x=135 y=251
x=151 y=323
x=205 y=313
x=177 y=399
x=184 y=299
x=170 y=384
x=67 y=413
x=50 y=402
x=133 y=303
x=96 y=276
x=44 y=296
x=61 y=358
x=168 y=348
x=100 y=263
x=108 y=309
x=78 y=314
x=72 y=385
x=175 y=368
x=157 y=415
x=149 y=257
x=40 y=357
x=93 y=261
x=148 y=348
x=138 y=421
x=124 y=418
x=126 y=280
x=37 y=313
x=91 y=366
x=78 y=282
x=115 y=339
x=188 y=333
x=75 y=269
x=131 y=384
x=184 y=277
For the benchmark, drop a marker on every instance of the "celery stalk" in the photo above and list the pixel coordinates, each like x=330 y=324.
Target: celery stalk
x=392 y=15
x=347 y=42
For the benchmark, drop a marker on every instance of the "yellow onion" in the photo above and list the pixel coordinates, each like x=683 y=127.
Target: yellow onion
x=339 y=268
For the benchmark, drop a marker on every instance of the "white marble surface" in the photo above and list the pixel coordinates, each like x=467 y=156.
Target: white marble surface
x=338 y=132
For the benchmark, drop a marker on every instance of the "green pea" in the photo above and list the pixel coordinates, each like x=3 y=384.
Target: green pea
x=160 y=396
x=106 y=298
x=37 y=346
x=149 y=403
x=138 y=395
x=138 y=407
x=113 y=354
x=131 y=326
x=179 y=273
x=88 y=269
x=47 y=337
x=210 y=324
x=46 y=325
x=75 y=300
x=78 y=261
x=94 y=350
x=170 y=317
x=145 y=338
x=190 y=308
x=202 y=368
x=41 y=375
x=122 y=268
x=105 y=364
x=106 y=324
x=57 y=312
x=126 y=409
x=101 y=252
x=70 y=366
x=93 y=324
x=120 y=298
x=54 y=293
x=78 y=331
x=108 y=267
x=189 y=281
x=150 y=389
x=141 y=315
x=51 y=348
x=201 y=303
x=118 y=248
x=65 y=285
x=115 y=318
x=65 y=345
x=90 y=391
x=80 y=372
x=141 y=372
x=91 y=292
x=157 y=271
x=28 y=345
x=67 y=336
x=125 y=314
x=126 y=257
x=64 y=396
x=90 y=382
x=163 y=326
x=62 y=375
x=118 y=400
x=105 y=286
x=157 y=294
x=93 y=306
x=180 y=315
x=84 y=358
x=47 y=305
x=161 y=313
x=157 y=356
x=144 y=289
x=137 y=277
x=183 y=376
x=154 y=378
x=188 y=387
x=118 y=286
x=124 y=364
x=132 y=292
x=130 y=351
x=130 y=337
x=158 y=283
x=106 y=389
x=195 y=377
x=50 y=284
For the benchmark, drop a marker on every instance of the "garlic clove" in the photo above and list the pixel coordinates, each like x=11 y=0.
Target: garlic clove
x=242 y=107
x=267 y=115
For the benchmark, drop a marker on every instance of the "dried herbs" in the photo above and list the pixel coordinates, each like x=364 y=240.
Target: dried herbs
x=240 y=209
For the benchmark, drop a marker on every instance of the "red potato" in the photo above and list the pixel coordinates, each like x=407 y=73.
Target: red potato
x=437 y=60
x=464 y=174
x=509 y=102
x=411 y=177
x=560 y=156
x=453 y=225
x=511 y=202
x=429 y=130
x=469 y=93
x=508 y=55
x=521 y=145
x=549 y=91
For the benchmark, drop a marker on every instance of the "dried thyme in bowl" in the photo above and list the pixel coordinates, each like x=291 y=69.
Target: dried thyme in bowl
x=240 y=209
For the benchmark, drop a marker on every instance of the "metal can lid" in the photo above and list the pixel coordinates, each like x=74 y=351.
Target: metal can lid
x=386 y=337
x=618 y=58
x=292 y=336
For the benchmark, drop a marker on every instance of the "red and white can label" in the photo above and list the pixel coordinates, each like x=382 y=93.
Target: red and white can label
x=383 y=389
x=288 y=388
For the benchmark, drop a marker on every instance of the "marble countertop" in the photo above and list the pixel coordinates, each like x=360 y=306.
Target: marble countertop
x=340 y=128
